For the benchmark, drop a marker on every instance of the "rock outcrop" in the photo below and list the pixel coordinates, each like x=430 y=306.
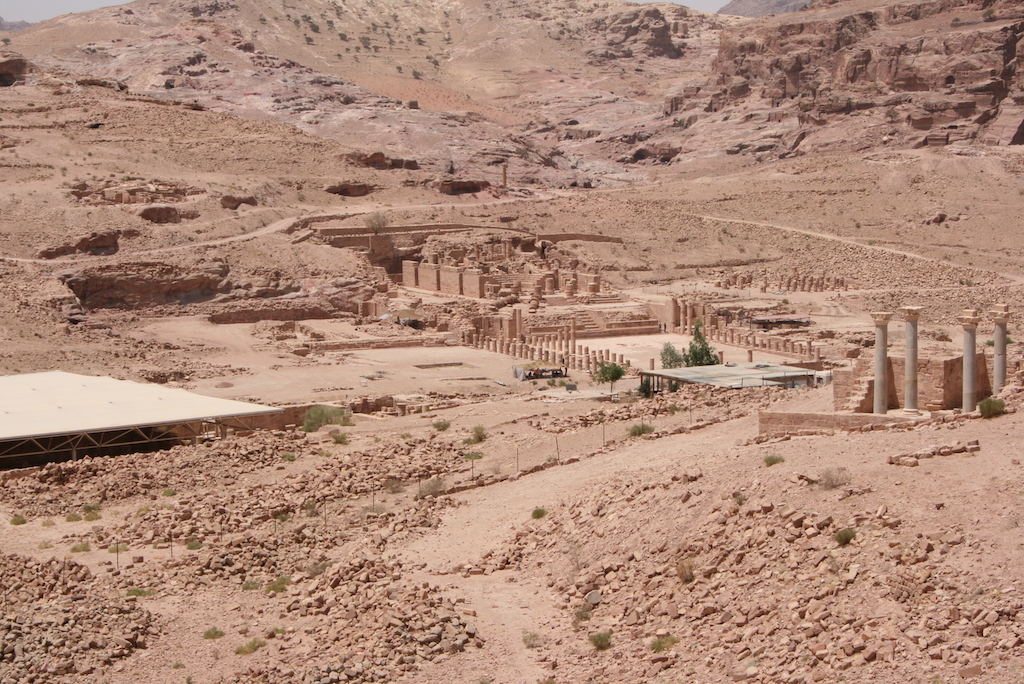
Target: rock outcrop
x=13 y=68
x=233 y=202
x=349 y=189
x=96 y=243
x=759 y=8
x=456 y=187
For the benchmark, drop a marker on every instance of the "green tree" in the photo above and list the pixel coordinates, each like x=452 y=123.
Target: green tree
x=701 y=353
x=671 y=358
x=609 y=373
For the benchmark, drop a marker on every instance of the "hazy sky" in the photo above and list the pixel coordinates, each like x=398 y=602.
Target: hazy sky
x=21 y=10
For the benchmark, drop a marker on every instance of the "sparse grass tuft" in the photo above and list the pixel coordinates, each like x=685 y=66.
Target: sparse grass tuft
x=663 y=643
x=990 y=407
x=136 y=591
x=90 y=516
x=441 y=425
x=72 y=517
x=340 y=438
x=684 y=570
x=194 y=545
x=479 y=435
x=739 y=497
x=178 y=666
x=531 y=639
x=279 y=585
x=538 y=513
x=92 y=508
x=288 y=457
x=170 y=492
x=81 y=547
x=317 y=569
x=393 y=485
x=318 y=416
x=117 y=548
x=435 y=486
x=773 y=459
x=845 y=536
x=19 y=520
x=250 y=647
x=48 y=523
x=641 y=429
x=831 y=478
x=46 y=544
x=602 y=641
x=582 y=613
x=213 y=633
x=251 y=585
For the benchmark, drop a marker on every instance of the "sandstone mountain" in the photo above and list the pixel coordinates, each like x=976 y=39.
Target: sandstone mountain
x=13 y=25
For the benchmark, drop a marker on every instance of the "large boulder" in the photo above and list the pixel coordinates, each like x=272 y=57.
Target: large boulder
x=233 y=201
x=13 y=68
x=160 y=213
x=349 y=189
x=97 y=243
x=457 y=187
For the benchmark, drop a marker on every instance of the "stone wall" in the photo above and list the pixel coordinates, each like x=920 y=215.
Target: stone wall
x=776 y=421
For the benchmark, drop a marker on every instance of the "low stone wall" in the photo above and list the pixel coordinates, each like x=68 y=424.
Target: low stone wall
x=380 y=343
x=776 y=421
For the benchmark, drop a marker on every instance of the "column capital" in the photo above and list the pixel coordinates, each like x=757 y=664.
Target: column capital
x=969 y=319
x=911 y=313
x=1000 y=313
x=881 y=317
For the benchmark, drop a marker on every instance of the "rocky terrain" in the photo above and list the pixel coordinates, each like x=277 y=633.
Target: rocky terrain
x=219 y=196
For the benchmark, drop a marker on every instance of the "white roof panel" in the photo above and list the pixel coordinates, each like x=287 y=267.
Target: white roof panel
x=58 y=403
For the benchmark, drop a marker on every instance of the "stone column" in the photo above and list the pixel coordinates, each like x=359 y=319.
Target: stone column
x=881 y=319
x=1001 y=316
x=911 y=314
x=969 y=319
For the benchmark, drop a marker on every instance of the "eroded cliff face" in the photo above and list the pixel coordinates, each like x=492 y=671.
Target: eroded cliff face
x=946 y=68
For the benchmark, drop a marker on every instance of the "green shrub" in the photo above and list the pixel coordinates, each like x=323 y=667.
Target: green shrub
x=19 y=520
x=531 y=639
x=251 y=585
x=393 y=485
x=135 y=591
x=170 y=492
x=538 y=513
x=641 y=429
x=435 y=486
x=92 y=508
x=48 y=523
x=479 y=435
x=90 y=516
x=279 y=585
x=288 y=457
x=340 y=438
x=602 y=641
x=441 y=425
x=178 y=666
x=318 y=416
x=773 y=459
x=991 y=407
x=663 y=643
x=46 y=544
x=213 y=633
x=81 y=547
x=117 y=548
x=845 y=536
x=684 y=569
x=739 y=497
x=250 y=647
x=194 y=545
x=583 y=612
x=832 y=478
x=72 y=517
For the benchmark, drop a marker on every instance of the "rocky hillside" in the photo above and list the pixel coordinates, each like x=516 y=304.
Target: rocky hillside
x=13 y=25
x=759 y=8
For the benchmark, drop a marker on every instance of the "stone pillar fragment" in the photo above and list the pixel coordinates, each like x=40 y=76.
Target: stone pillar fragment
x=881 y=319
x=911 y=314
x=969 y=319
x=1001 y=316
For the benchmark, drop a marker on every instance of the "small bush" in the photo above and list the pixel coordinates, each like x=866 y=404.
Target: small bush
x=845 y=536
x=46 y=545
x=81 y=547
x=739 y=497
x=194 y=545
x=340 y=437
x=479 y=435
x=279 y=585
x=832 y=478
x=170 y=492
x=531 y=639
x=90 y=516
x=602 y=641
x=92 y=508
x=394 y=486
x=135 y=591
x=583 y=612
x=178 y=666
x=663 y=643
x=288 y=457
x=684 y=570
x=19 y=520
x=48 y=523
x=441 y=425
x=318 y=569
x=213 y=633
x=538 y=513
x=72 y=517
x=250 y=647
x=318 y=416
x=991 y=407
x=117 y=548
x=549 y=680
x=773 y=459
x=251 y=585
x=641 y=429
x=435 y=486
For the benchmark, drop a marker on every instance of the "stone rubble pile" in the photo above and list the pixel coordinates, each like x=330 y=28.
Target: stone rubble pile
x=912 y=459
x=58 y=624
x=762 y=592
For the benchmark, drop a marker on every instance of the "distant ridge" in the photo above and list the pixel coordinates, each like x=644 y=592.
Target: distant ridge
x=13 y=25
x=759 y=8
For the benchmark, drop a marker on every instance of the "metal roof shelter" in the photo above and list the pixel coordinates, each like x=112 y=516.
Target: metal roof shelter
x=733 y=376
x=56 y=415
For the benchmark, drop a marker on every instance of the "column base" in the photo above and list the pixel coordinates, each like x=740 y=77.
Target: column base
x=912 y=412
